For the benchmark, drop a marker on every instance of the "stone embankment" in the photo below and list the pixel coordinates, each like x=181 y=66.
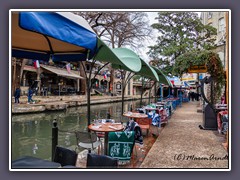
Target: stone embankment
x=52 y=103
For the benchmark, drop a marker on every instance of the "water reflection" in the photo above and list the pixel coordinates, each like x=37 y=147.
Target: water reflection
x=32 y=133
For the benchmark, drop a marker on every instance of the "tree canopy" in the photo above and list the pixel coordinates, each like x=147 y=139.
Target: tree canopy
x=180 y=32
x=203 y=57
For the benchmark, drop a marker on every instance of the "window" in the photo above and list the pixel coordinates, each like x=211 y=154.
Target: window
x=210 y=15
x=221 y=25
x=118 y=86
x=87 y=67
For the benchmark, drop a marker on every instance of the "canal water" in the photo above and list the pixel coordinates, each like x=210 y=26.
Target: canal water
x=31 y=134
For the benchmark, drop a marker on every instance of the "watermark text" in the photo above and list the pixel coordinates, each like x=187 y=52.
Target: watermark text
x=212 y=157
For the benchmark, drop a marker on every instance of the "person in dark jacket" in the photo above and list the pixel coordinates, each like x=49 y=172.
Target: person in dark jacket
x=17 y=95
x=30 y=94
x=193 y=95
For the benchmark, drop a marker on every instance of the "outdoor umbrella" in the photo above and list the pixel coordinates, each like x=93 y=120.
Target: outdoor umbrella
x=57 y=35
x=162 y=79
x=60 y=36
x=148 y=72
x=120 y=58
x=64 y=36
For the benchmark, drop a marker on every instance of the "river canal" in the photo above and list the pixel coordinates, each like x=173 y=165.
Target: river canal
x=32 y=133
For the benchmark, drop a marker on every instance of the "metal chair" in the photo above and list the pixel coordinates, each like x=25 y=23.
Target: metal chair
x=101 y=161
x=64 y=156
x=88 y=140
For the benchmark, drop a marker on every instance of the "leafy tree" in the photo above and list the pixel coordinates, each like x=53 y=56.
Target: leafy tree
x=180 y=32
x=213 y=64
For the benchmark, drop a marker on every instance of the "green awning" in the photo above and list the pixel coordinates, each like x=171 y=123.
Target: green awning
x=120 y=58
x=162 y=78
x=148 y=72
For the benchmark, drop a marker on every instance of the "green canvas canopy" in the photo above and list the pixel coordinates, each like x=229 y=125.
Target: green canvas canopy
x=120 y=58
x=148 y=72
x=162 y=78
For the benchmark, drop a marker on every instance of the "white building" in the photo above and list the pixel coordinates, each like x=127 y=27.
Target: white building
x=217 y=20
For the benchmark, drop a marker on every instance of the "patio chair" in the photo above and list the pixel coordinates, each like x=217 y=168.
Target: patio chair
x=120 y=145
x=89 y=141
x=65 y=156
x=101 y=161
x=145 y=124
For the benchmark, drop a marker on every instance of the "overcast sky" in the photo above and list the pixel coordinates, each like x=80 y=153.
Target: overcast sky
x=152 y=41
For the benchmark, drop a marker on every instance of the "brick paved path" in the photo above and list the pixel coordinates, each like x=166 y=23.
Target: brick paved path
x=181 y=144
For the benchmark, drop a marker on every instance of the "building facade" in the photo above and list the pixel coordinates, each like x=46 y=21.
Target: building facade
x=55 y=79
x=217 y=20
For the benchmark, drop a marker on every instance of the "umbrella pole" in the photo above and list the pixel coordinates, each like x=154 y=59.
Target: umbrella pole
x=141 y=94
x=155 y=92
x=122 y=100
x=161 y=92
x=149 y=93
x=123 y=88
x=88 y=100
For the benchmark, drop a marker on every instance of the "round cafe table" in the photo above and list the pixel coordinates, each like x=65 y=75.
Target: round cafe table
x=149 y=109
x=135 y=115
x=106 y=128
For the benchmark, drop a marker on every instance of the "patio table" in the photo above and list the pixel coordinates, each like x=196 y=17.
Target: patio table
x=106 y=128
x=135 y=115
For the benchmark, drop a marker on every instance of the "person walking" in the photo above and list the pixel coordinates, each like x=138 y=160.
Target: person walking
x=189 y=95
x=193 y=95
x=30 y=94
x=17 y=94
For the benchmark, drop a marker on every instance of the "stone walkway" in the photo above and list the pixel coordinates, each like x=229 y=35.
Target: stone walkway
x=181 y=144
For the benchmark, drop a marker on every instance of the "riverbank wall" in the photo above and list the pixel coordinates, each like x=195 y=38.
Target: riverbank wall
x=53 y=103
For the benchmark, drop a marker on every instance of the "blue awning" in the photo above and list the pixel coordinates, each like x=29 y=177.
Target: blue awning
x=62 y=35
